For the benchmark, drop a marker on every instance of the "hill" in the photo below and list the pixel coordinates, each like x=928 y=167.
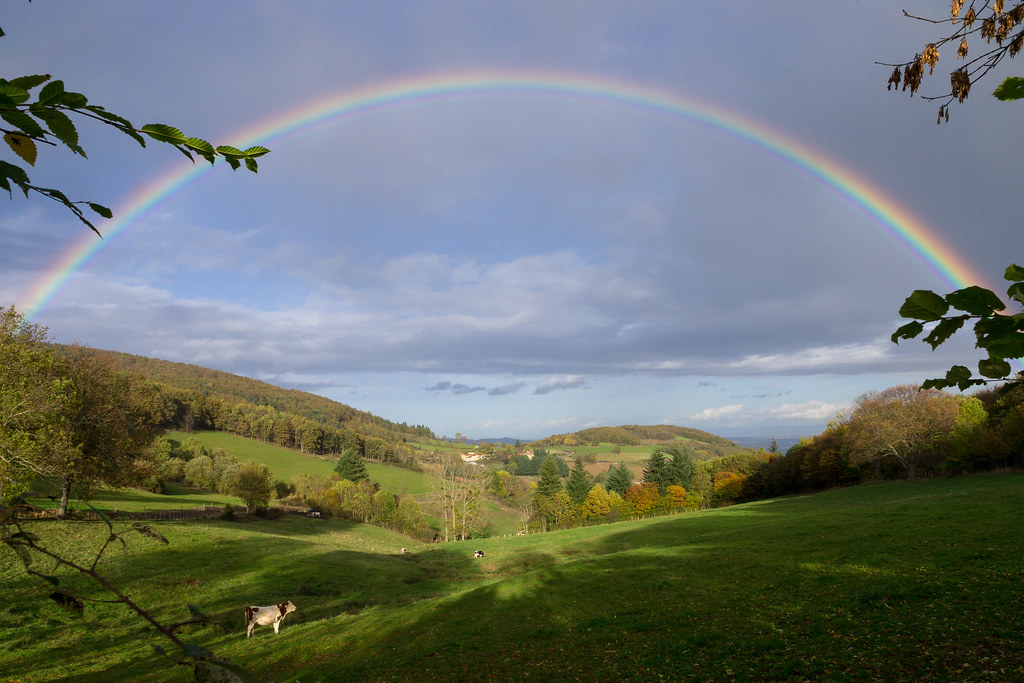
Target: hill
x=235 y=388
x=896 y=581
x=704 y=445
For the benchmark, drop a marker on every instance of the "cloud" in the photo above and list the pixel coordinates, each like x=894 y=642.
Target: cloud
x=560 y=384
x=455 y=388
x=506 y=389
x=711 y=414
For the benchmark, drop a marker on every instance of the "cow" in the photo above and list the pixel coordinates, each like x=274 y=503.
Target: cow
x=478 y=553
x=264 y=616
x=405 y=550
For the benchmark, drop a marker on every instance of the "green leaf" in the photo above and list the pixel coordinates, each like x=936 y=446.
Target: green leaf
x=159 y=131
x=233 y=162
x=924 y=305
x=1010 y=89
x=23 y=121
x=23 y=146
x=975 y=300
x=1006 y=346
x=29 y=82
x=229 y=151
x=50 y=93
x=1014 y=273
x=14 y=93
x=22 y=550
x=908 y=331
x=1016 y=292
x=256 y=151
x=944 y=330
x=957 y=374
x=252 y=165
x=72 y=100
x=15 y=173
x=101 y=210
x=60 y=124
x=199 y=145
x=994 y=368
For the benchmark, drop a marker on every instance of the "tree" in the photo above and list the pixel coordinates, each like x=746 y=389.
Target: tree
x=656 y=470
x=92 y=433
x=728 y=486
x=254 y=484
x=44 y=117
x=597 y=503
x=619 y=479
x=458 y=488
x=644 y=497
x=900 y=422
x=550 y=480
x=579 y=482
x=998 y=331
x=682 y=468
x=992 y=21
x=31 y=379
x=351 y=466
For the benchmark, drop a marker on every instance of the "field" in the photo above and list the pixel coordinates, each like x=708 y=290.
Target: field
x=287 y=464
x=896 y=581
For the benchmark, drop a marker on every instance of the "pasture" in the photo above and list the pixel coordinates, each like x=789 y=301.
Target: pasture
x=894 y=581
x=287 y=464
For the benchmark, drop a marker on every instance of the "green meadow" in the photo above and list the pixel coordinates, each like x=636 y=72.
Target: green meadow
x=894 y=581
x=287 y=464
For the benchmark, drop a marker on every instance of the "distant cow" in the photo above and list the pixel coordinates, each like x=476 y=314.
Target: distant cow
x=520 y=533
x=404 y=551
x=478 y=553
x=264 y=616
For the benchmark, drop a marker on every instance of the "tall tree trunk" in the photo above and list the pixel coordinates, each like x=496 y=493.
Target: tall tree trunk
x=65 y=492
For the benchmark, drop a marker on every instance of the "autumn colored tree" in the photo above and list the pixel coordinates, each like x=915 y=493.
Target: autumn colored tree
x=970 y=22
x=675 y=496
x=254 y=484
x=597 y=503
x=643 y=498
x=900 y=423
x=728 y=486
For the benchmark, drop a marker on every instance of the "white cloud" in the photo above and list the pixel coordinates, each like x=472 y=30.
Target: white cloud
x=711 y=414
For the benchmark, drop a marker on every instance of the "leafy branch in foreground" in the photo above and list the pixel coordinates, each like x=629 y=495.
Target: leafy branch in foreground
x=27 y=123
x=998 y=332
x=28 y=546
x=986 y=20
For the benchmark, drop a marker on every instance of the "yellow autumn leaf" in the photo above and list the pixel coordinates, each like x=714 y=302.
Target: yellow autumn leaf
x=23 y=146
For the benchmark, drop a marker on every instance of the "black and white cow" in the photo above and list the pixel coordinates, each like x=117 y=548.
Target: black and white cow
x=478 y=553
x=264 y=616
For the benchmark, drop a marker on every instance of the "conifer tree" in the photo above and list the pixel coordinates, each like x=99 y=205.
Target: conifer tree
x=550 y=480
x=351 y=466
x=579 y=482
x=619 y=479
x=656 y=470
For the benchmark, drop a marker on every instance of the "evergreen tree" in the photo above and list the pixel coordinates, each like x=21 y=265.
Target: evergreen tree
x=619 y=479
x=351 y=466
x=579 y=482
x=656 y=470
x=681 y=468
x=550 y=480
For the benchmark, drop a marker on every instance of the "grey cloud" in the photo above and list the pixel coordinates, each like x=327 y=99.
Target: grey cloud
x=506 y=389
x=560 y=384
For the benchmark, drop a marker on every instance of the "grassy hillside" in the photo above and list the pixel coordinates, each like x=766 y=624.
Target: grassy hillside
x=905 y=581
x=286 y=464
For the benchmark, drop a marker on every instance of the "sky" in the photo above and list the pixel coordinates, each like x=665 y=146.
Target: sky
x=521 y=218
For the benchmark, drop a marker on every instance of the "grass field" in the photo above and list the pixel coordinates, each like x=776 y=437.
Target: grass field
x=287 y=464
x=898 y=581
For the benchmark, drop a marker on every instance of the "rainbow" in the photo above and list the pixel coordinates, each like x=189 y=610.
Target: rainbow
x=905 y=228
